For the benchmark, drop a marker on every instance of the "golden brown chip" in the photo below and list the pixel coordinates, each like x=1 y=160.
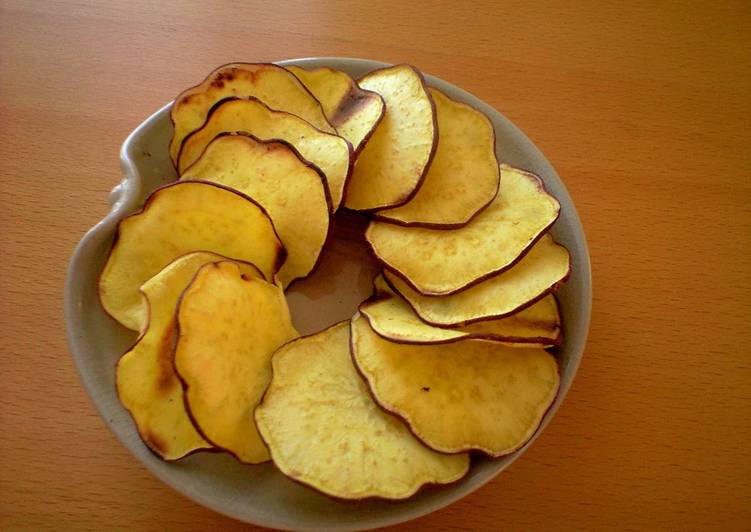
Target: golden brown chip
x=228 y=326
x=460 y=396
x=354 y=112
x=324 y=430
x=463 y=177
x=330 y=153
x=391 y=317
x=290 y=189
x=534 y=276
x=272 y=84
x=439 y=262
x=177 y=219
x=394 y=161
x=146 y=382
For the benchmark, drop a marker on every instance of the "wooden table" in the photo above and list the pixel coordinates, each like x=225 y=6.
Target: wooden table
x=644 y=111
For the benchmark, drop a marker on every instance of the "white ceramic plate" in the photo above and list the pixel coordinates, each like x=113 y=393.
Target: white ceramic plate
x=260 y=494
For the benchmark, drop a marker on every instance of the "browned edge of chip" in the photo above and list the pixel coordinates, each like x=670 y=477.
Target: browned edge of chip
x=552 y=289
x=147 y=442
x=183 y=382
x=430 y=225
x=214 y=107
x=355 y=500
x=472 y=450
x=282 y=251
x=490 y=274
x=552 y=342
x=307 y=163
x=432 y=150
x=240 y=65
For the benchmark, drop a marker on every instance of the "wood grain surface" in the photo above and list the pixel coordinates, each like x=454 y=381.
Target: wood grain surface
x=643 y=108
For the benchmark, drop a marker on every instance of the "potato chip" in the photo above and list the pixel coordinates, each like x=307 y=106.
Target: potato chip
x=177 y=219
x=146 y=382
x=228 y=326
x=330 y=153
x=539 y=273
x=391 y=317
x=287 y=187
x=467 y=395
x=391 y=167
x=354 y=112
x=324 y=430
x=272 y=84
x=463 y=177
x=439 y=262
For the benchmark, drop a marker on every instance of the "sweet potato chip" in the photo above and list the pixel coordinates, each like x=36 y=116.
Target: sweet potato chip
x=146 y=382
x=177 y=219
x=391 y=167
x=465 y=395
x=463 y=177
x=291 y=190
x=228 y=326
x=330 y=153
x=272 y=84
x=324 y=430
x=439 y=262
x=392 y=318
x=354 y=112
x=537 y=274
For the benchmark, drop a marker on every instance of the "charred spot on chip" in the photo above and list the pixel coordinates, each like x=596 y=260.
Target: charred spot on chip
x=353 y=111
x=350 y=105
x=166 y=380
x=155 y=442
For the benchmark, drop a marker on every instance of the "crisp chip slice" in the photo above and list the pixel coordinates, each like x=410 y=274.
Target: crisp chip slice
x=228 y=326
x=391 y=167
x=290 y=189
x=324 y=430
x=330 y=153
x=146 y=382
x=537 y=274
x=468 y=395
x=354 y=112
x=274 y=85
x=439 y=262
x=463 y=177
x=391 y=317
x=177 y=219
